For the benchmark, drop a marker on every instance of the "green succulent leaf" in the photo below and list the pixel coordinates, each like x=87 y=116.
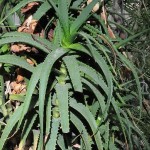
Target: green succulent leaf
x=97 y=94
x=42 y=10
x=30 y=90
x=48 y=114
x=15 y=60
x=74 y=72
x=51 y=143
x=93 y=75
x=63 y=17
x=32 y=40
x=36 y=134
x=62 y=95
x=81 y=128
x=61 y=142
x=80 y=108
x=10 y=124
x=80 y=20
x=27 y=128
x=47 y=67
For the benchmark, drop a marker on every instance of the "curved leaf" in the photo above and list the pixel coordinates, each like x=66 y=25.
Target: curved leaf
x=123 y=42
x=105 y=68
x=131 y=66
x=15 y=60
x=81 y=128
x=10 y=124
x=42 y=10
x=74 y=72
x=44 y=76
x=35 y=39
x=27 y=128
x=82 y=17
x=90 y=119
x=30 y=90
x=94 y=76
x=97 y=94
x=28 y=40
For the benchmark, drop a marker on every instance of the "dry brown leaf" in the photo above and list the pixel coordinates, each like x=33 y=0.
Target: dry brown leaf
x=111 y=34
x=51 y=34
x=104 y=17
x=21 y=29
x=17 y=87
x=28 y=21
x=23 y=88
x=77 y=146
x=15 y=48
x=122 y=35
x=31 y=26
x=33 y=49
x=29 y=7
x=26 y=25
x=30 y=61
x=13 y=84
x=20 y=78
x=20 y=47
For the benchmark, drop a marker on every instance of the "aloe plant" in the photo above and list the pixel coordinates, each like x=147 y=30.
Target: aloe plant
x=79 y=99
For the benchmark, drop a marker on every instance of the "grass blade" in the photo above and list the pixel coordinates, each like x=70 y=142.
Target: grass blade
x=123 y=42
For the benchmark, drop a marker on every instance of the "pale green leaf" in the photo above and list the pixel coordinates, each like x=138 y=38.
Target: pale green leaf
x=80 y=108
x=30 y=90
x=61 y=142
x=97 y=94
x=63 y=17
x=27 y=129
x=51 y=144
x=82 y=130
x=41 y=10
x=86 y=12
x=15 y=60
x=48 y=114
x=74 y=72
x=10 y=124
x=44 y=77
x=62 y=95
